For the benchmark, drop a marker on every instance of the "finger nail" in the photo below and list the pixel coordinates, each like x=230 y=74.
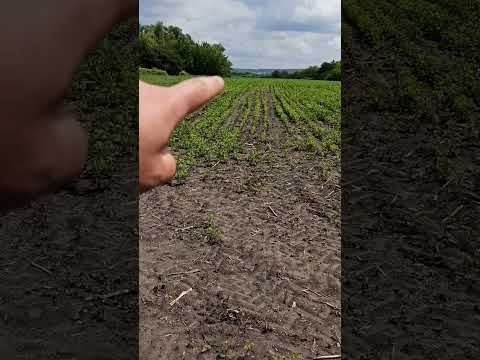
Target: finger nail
x=219 y=80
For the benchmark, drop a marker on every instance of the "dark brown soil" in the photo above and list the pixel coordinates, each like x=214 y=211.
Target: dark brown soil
x=233 y=118
x=258 y=242
x=410 y=224
x=68 y=273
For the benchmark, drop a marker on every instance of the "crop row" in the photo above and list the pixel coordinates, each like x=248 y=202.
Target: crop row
x=309 y=112
x=436 y=41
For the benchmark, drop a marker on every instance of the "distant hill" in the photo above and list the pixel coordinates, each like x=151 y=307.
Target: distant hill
x=262 y=71
x=326 y=71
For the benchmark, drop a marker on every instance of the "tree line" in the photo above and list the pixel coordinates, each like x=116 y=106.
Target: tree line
x=327 y=71
x=169 y=49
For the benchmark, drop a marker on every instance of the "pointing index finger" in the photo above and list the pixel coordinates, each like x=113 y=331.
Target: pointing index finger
x=189 y=95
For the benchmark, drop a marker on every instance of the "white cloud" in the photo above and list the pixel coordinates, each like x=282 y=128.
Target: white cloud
x=256 y=33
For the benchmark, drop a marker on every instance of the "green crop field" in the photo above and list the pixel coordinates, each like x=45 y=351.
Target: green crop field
x=254 y=210
x=258 y=116
x=440 y=39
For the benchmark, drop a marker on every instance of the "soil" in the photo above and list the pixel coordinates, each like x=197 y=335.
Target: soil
x=69 y=262
x=410 y=230
x=69 y=272
x=258 y=242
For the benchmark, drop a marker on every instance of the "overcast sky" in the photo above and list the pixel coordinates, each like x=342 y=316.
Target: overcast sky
x=257 y=33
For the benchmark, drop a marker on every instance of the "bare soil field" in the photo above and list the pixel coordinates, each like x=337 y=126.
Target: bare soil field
x=68 y=272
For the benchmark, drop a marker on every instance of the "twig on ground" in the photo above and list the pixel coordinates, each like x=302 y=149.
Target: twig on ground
x=180 y=296
x=447 y=183
x=186 y=228
x=156 y=217
x=394 y=199
x=273 y=211
x=455 y=212
x=184 y=272
x=218 y=162
x=380 y=270
x=330 y=193
x=327 y=357
x=7 y=264
x=322 y=301
x=109 y=295
x=40 y=267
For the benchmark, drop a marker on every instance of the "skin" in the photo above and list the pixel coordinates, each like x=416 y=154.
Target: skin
x=42 y=146
x=161 y=109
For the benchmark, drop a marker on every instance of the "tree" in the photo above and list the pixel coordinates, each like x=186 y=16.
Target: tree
x=327 y=71
x=168 y=48
x=276 y=74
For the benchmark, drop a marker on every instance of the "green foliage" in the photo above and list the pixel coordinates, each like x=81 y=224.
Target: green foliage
x=105 y=92
x=213 y=232
x=168 y=48
x=433 y=47
x=327 y=71
x=277 y=74
x=439 y=39
x=310 y=111
x=253 y=157
x=292 y=356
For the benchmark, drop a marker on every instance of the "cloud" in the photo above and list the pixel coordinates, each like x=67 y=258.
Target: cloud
x=257 y=33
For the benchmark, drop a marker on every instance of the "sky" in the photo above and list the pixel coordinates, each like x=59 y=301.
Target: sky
x=278 y=34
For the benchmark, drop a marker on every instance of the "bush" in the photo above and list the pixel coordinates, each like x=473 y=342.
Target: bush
x=184 y=73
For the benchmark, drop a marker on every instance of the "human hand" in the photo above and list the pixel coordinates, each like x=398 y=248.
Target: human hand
x=160 y=110
x=42 y=146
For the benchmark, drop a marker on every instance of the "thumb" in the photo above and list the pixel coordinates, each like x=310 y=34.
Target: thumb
x=43 y=158
x=65 y=153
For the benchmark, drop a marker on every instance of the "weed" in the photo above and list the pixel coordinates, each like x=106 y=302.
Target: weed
x=248 y=184
x=213 y=231
x=253 y=157
x=292 y=356
x=248 y=346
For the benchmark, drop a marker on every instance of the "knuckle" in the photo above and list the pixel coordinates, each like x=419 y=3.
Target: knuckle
x=160 y=172
x=167 y=169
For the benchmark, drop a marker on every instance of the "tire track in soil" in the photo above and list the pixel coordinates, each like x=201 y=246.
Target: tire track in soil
x=235 y=114
x=277 y=130
x=252 y=275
